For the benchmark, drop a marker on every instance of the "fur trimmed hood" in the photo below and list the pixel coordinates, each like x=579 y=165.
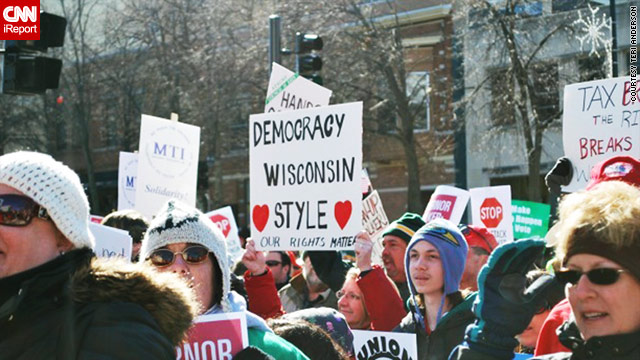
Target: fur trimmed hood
x=164 y=295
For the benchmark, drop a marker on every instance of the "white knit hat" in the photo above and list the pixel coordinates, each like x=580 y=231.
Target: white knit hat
x=54 y=186
x=177 y=222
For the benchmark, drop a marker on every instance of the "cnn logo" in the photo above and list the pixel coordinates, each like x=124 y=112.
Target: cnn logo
x=20 y=20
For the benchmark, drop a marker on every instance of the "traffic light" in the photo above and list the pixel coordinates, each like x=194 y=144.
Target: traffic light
x=23 y=72
x=308 y=60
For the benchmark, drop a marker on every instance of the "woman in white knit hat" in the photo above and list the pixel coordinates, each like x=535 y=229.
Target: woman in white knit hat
x=180 y=239
x=56 y=300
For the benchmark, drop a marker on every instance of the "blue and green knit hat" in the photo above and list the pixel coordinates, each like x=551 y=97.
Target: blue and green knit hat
x=405 y=227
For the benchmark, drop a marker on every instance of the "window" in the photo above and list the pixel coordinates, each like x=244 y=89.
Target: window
x=591 y=68
x=546 y=98
x=418 y=91
x=502 y=103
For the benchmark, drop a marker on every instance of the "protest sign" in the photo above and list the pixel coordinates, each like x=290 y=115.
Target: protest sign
x=446 y=202
x=491 y=208
x=599 y=121
x=289 y=91
x=218 y=336
x=384 y=345
x=366 y=182
x=127 y=173
x=530 y=219
x=167 y=164
x=304 y=169
x=111 y=242
x=97 y=219
x=223 y=218
x=374 y=221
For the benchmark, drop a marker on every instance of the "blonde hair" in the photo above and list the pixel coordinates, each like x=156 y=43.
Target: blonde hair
x=609 y=214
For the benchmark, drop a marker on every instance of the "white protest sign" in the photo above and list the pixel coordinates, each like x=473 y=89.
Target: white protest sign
x=491 y=208
x=290 y=91
x=127 y=173
x=305 y=169
x=599 y=121
x=110 y=241
x=366 y=182
x=217 y=336
x=223 y=218
x=384 y=345
x=374 y=221
x=446 y=202
x=167 y=164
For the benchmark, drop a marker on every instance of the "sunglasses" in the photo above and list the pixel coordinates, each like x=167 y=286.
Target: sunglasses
x=192 y=255
x=18 y=210
x=601 y=276
x=271 y=263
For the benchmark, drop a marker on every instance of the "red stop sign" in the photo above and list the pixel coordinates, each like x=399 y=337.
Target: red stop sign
x=222 y=223
x=491 y=212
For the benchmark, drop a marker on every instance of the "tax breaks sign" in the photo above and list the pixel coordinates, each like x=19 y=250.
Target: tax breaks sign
x=20 y=20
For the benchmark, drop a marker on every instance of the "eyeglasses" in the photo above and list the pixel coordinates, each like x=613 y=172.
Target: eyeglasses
x=18 y=210
x=349 y=295
x=271 y=263
x=192 y=255
x=601 y=276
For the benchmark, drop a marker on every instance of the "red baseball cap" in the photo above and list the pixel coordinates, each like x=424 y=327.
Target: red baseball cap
x=622 y=168
x=479 y=236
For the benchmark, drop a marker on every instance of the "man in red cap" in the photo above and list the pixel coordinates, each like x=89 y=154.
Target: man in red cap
x=481 y=243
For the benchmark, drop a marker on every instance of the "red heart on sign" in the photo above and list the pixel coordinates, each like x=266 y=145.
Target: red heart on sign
x=260 y=216
x=342 y=213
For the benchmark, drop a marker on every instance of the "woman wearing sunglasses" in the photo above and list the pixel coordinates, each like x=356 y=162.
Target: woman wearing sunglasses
x=599 y=246
x=181 y=240
x=56 y=300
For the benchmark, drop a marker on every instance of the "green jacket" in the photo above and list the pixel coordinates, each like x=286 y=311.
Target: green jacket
x=77 y=307
x=274 y=345
x=446 y=336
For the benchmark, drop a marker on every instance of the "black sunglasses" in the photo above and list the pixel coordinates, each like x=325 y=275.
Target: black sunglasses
x=601 y=276
x=192 y=255
x=273 y=263
x=18 y=210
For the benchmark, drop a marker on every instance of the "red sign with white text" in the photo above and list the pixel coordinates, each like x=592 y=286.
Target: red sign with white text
x=20 y=20
x=218 y=336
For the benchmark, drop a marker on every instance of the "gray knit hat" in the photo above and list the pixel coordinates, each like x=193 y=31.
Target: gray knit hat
x=55 y=187
x=177 y=222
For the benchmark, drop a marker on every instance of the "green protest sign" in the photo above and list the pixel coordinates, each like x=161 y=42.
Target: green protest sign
x=529 y=219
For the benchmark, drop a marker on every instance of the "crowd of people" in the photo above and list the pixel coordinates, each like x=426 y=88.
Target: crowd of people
x=462 y=294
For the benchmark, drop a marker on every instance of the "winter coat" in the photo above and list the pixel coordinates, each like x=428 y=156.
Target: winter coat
x=260 y=336
x=383 y=302
x=446 y=336
x=612 y=347
x=263 y=295
x=294 y=296
x=79 y=307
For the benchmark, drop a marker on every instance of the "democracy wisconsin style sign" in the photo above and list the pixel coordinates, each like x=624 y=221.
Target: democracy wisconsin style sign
x=305 y=172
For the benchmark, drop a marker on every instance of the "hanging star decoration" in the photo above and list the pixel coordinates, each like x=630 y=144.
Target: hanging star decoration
x=596 y=31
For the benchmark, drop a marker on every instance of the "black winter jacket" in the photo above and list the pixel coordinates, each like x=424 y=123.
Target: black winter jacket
x=78 y=307
x=446 y=336
x=613 y=347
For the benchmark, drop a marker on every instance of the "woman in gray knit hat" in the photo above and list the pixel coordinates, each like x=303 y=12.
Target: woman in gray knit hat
x=180 y=239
